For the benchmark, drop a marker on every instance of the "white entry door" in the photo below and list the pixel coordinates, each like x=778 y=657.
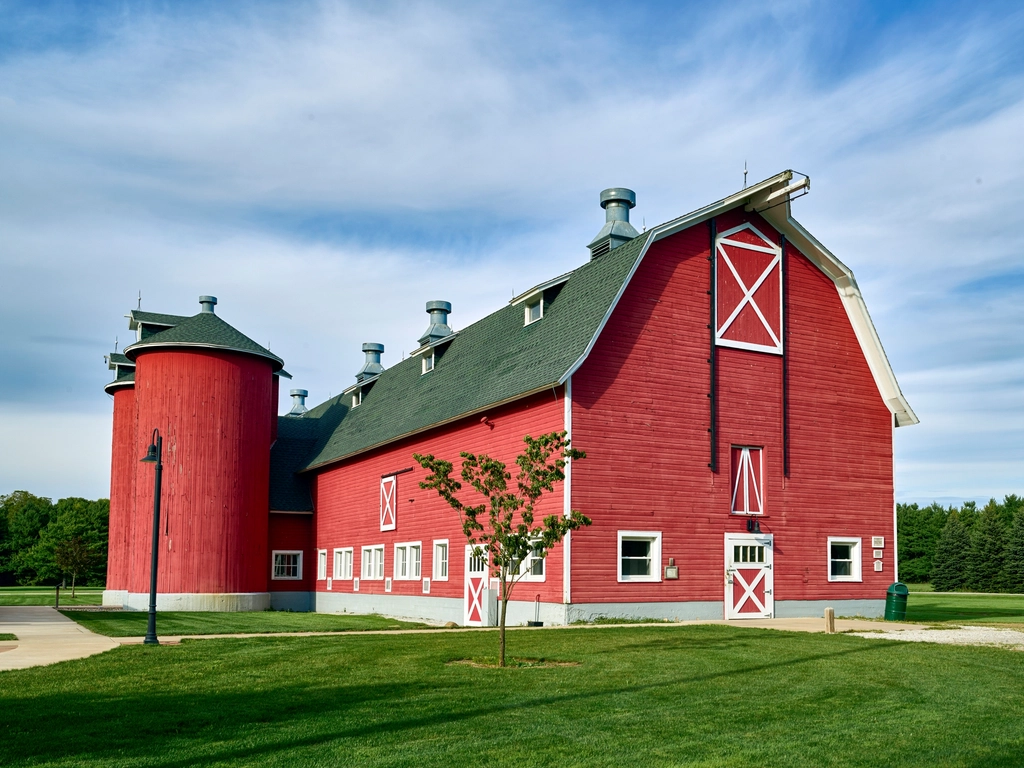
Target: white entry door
x=749 y=582
x=476 y=584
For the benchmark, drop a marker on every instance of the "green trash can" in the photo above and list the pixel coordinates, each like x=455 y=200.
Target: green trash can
x=896 y=602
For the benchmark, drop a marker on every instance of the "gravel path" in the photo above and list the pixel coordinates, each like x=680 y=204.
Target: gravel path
x=1012 y=639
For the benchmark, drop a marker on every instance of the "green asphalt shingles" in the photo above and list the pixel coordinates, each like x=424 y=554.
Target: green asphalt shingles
x=205 y=329
x=493 y=360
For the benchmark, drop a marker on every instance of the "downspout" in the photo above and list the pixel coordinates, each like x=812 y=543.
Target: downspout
x=567 y=506
x=784 y=287
x=712 y=360
x=895 y=527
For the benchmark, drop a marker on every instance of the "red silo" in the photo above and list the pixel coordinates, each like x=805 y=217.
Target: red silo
x=206 y=388
x=123 y=468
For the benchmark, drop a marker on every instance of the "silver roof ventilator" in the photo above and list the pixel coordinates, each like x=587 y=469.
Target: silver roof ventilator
x=617 y=230
x=438 y=327
x=371 y=366
x=298 y=402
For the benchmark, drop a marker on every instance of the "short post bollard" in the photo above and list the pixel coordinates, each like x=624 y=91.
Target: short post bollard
x=830 y=621
x=56 y=600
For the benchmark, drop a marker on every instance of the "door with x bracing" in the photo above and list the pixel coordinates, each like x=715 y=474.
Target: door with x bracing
x=749 y=582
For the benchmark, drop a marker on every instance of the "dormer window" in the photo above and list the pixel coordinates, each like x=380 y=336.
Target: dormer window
x=428 y=362
x=534 y=309
x=357 y=398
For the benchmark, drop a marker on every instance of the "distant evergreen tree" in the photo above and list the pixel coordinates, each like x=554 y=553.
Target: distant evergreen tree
x=1012 y=504
x=968 y=515
x=919 y=532
x=1014 y=581
x=987 y=560
x=949 y=566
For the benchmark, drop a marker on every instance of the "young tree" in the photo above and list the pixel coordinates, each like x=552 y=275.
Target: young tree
x=949 y=566
x=73 y=518
x=502 y=527
x=1015 y=554
x=986 y=565
x=73 y=556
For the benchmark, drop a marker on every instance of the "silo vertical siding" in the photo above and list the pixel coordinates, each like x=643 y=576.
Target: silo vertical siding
x=123 y=468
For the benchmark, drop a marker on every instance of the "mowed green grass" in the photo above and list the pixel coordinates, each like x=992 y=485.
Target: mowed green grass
x=45 y=596
x=133 y=623
x=697 y=695
x=965 y=609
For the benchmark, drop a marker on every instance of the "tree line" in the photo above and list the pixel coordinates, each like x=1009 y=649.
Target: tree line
x=963 y=548
x=46 y=543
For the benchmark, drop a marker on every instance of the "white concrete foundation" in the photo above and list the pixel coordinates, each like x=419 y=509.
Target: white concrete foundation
x=238 y=601
x=799 y=609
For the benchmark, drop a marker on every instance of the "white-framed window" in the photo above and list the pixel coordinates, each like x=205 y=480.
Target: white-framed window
x=287 y=564
x=639 y=556
x=357 y=398
x=428 y=362
x=388 y=503
x=321 y=564
x=343 y=563
x=534 y=310
x=532 y=568
x=371 y=560
x=747 y=470
x=440 y=564
x=407 y=560
x=844 y=559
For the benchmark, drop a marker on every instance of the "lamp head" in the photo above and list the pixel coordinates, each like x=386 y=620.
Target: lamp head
x=150 y=457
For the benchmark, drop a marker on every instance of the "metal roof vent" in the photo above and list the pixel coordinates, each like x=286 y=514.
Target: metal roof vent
x=371 y=367
x=207 y=303
x=298 y=402
x=438 y=327
x=617 y=230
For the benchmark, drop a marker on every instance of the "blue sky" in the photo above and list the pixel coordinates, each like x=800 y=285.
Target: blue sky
x=326 y=168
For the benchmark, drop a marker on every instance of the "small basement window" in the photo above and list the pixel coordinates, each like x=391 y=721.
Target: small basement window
x=287 y=565
x=843 y=559
x=639 y=556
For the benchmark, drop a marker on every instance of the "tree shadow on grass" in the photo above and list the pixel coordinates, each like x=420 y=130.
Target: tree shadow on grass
x=180 y=726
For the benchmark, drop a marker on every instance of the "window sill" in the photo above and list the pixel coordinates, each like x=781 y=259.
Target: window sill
x=639 y=579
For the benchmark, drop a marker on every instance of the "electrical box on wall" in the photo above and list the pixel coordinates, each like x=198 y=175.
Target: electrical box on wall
x=671 y=570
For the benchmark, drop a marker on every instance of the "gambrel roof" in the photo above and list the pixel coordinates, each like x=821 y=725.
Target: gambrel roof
x=498 y=359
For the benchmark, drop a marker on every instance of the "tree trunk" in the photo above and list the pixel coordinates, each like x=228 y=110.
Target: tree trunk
x=72 y=585
x=501 y=626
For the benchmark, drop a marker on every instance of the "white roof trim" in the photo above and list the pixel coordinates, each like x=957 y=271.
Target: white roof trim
x=540 y=288
x=841 y=275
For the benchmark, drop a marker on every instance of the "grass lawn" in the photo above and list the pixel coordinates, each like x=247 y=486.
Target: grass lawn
x=133 y=623
x=965 y=608
x=45 y=595
x=700 y=695
x=920 y=586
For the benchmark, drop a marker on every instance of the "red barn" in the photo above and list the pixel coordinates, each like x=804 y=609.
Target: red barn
x=720 y=370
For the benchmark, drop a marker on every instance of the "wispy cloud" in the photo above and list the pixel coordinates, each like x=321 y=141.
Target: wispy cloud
x=325 y=168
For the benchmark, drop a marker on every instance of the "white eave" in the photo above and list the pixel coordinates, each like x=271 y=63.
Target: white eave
x=771 y=198
x=434 y=344
x=538 y=289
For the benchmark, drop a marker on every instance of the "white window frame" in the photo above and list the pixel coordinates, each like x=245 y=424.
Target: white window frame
x=743 y=477
x=273 y=565
x=655 y=538
x=357 y=398
x=526 y=567
x=435 y=561
x=343 y=568
x=723 y=262
x=389 y=502
x=321 y=564
x=403 y=556
x=530 y=303
x=428 y=362
x=369 y=568
x=856 y=556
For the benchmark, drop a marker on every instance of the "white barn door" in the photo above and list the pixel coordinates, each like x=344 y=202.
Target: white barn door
x=476 y=589
x=749 y=582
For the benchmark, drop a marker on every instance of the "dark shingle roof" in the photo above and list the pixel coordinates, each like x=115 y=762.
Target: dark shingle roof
x=154 y=318
x=126 y=380
x=115 y=358
x=296 y=437
x=493 y=360
x=207 y=330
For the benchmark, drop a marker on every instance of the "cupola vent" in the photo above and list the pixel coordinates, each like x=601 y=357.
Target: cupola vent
x=371 y=366
x=438 y=327
x=298 y=402
x=617 y=230
x=208 y=303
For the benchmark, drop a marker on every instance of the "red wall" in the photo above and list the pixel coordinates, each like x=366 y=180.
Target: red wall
x=211 y=408
x=641 y=411
x=348 y=499
x=292 y=532
x=123 y=466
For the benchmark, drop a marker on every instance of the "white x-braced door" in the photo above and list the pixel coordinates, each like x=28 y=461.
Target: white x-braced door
x=476 y=586
x=749 y=582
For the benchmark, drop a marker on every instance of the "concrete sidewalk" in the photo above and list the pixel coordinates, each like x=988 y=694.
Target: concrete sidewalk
x=45 y=637
x=788 y=625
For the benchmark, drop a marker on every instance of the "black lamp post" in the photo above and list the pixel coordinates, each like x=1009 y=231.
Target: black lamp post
x=154 y=455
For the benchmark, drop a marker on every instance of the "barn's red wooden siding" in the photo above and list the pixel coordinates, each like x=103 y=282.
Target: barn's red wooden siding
x=211 y=408
x=641 y=411
x=123 y=466
x=347 y=499
x=292 y=532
